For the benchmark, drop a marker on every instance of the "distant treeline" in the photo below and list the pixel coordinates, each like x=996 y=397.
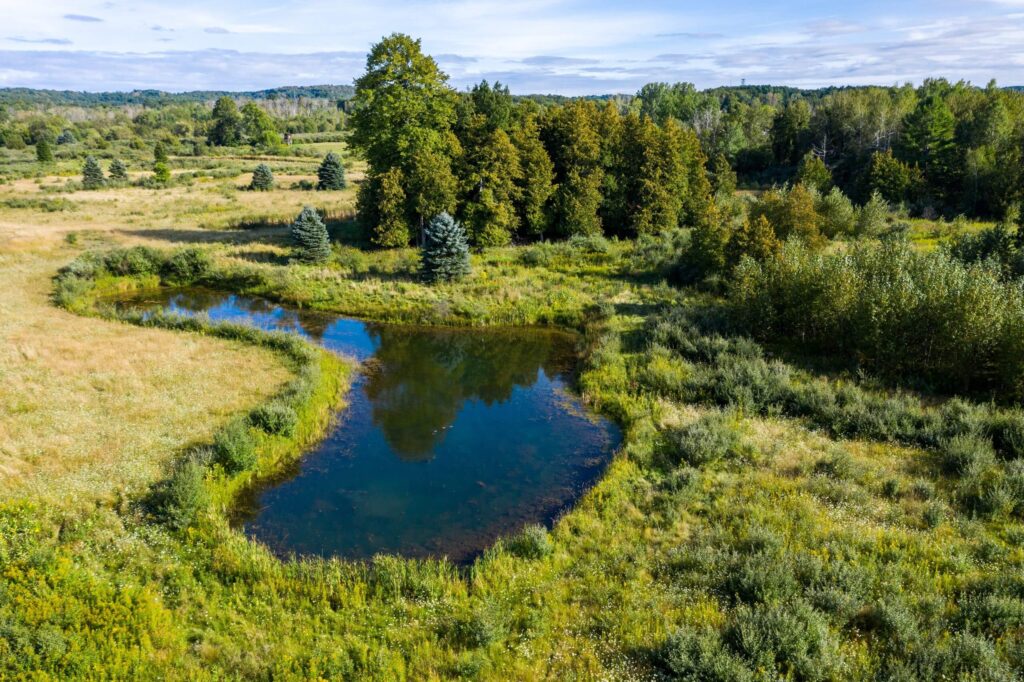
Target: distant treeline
x=154 y=98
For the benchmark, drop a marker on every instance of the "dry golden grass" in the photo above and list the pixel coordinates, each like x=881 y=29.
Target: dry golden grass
x=89 y=407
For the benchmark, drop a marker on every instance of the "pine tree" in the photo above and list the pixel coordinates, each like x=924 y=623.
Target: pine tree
x=929 y=139
x=571 y=136
x=309 y=234
x=92 y=174
x=445 y=254
x=706 y=254
x=118 y=171
x=381 y=207
x=871 y=217
x=490 y=169
x=44 y=154
x=160 y=153
x=755 y=238
x=161 y=173
x=331 y=173
x=262 y=178
x=723 y=177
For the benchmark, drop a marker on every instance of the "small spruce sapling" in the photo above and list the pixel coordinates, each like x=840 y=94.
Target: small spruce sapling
x=309 y=234
x=445 y=256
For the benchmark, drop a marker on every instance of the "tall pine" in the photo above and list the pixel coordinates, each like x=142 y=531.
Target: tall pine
x=535 y=179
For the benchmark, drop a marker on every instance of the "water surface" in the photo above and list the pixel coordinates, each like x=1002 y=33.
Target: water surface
x=451 y=437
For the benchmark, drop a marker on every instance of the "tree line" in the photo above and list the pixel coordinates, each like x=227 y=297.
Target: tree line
x=508 y=169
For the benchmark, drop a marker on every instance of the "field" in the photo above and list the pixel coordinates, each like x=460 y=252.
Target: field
x=730 y=538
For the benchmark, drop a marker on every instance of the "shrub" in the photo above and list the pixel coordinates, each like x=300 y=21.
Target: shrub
x=180 y=499
x=262 y=179
x=161 y=173
x=185 y=266
x=532 y=542
x=445 y=255
x=137 y=260
x=234 y=448
x=707 y=440
x=275 y=418
x=331 y=174
x=44 y=154
x=1007 y=432
x=963 y=455
x=309 y=234
x=700 y=655
x=790 y=640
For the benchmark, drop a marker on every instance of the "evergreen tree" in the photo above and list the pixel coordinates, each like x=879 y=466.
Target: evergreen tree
x=445 y=254
x=66 y=137
x=929 y=140
x=706 y=254
x=160 y=153
x=92 y=174
x=262 y=178
x=309 y=234
x=44 y=154
x=382 y=209
x=571 y=137
x=118 y=171
x=789 y=131
x=871 y=217
x=331 y=174
x=896 y=181
x=430 y=187
x=814 y=173
x=227 y=123
x=535 y=178
x=490 y=168
x=723 y=177
x=755 y=238
x=161 y=173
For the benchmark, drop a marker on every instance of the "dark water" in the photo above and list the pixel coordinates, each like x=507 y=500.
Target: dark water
x=451 y=438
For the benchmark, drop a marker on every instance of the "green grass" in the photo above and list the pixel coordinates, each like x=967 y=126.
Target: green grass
x=749 y=543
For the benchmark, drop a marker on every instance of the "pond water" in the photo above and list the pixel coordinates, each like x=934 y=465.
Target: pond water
x=451 y=437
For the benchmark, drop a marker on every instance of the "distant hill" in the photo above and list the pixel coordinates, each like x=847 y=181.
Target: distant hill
x=34 y=97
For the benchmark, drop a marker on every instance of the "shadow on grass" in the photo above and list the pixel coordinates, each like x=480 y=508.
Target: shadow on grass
x=186 y=236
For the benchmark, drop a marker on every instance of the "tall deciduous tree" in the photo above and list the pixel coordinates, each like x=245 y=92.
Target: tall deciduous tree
x=403 y=116
x=490 y=169
x=227 y=123
x=382 y=209
x=257 y=126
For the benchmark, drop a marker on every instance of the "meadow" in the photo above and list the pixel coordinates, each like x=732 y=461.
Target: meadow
x=736 y=535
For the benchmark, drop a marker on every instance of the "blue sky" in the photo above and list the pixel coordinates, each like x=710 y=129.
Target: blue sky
x=558 y=46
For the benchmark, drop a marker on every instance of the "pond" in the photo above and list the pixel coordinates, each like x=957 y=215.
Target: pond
x=451 y=438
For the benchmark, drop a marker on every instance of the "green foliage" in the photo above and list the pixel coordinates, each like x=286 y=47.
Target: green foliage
x=754 y=238
x=234 y=448
x=903 y=313
x=310 y=237
x=262 y=178
x=532 y=543
x=381 y=206
x=838 y=216
x=894 y=180
x=445 y=250
x=118 y=171
x=489 y=175
x=929 y=140
x=791 y=212
x=275 y=418
x=707 y=252
x=92 y=174
x=160 y=153
x=723 y=177
x=183 y=496
x=258 y=127
x=535 y=178
x=814 y=173
x=185 y=266
x=161 y=173
x=331 y=173
x=571 y=135
x=44 y=154
x=704 y=442
x=872 y=217
x=227 y=123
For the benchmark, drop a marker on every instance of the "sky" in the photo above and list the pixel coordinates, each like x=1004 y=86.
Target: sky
x=570 y=47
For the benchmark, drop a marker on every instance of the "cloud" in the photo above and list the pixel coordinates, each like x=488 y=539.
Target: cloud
x=693 y=36
x=82 y=17
x=218 y=30
x=158 y=27
x=41 y=41
x=543 y=60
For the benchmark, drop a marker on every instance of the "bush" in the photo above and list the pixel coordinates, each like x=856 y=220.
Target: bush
x=789 y=641
x=180 y=499
x=137 y=260
x=275 y=418
x=161 y=173
x=701 y=655
x=532 y=542
x=964 y=455
x=185 y=266
x=709 y=439
x=234 y=448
